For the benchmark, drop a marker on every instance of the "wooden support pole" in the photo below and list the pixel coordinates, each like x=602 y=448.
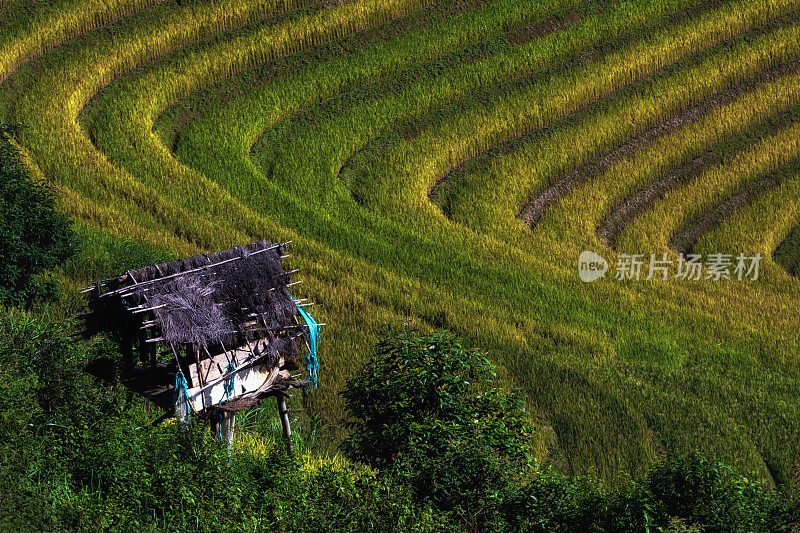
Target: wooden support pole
x=287 y=429
x=233 y=352
x=199 y=368
x=153 y=355
x=127 y=354
x=228 y=426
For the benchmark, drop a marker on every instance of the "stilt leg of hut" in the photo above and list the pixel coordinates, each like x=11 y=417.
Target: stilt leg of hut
x=152 y=352
x=287 y=429
x=126 y=347
x=182 y=409
x=227 y=429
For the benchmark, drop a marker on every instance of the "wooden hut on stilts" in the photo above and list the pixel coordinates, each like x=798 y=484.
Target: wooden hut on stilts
x=214 y=334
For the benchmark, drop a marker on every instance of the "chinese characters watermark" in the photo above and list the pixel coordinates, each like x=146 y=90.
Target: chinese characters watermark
x=695 y=267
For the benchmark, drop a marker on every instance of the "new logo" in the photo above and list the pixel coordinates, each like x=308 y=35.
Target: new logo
x=591 y=266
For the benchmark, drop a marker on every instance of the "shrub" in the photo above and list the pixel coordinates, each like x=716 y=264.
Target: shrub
x=34 y=237
x=79 y=454
x=704 y=492
x=425 y=412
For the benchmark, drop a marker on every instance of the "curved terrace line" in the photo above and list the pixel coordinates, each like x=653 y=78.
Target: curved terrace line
x=226 y=34
x=421 y=20
x=406 y=79
x=583 y=57
x=684 y=240
x=143 y=192
x=618 y=217
x=146 y=202
x=88 y=20
x=533 y=209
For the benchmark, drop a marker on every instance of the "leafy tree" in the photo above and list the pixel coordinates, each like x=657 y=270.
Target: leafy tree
x=424 y=411
x=34 y=237
x=709 y=493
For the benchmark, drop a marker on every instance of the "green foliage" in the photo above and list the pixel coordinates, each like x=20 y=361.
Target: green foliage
x=33 y=235
x=425 y=413
x=424 y=410
x=448 y=85
x=551 y=501
x=415 y=381
x=78 y=454
x=708 y=493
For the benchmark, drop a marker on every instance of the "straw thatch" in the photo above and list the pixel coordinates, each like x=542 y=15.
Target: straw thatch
x=209 y=301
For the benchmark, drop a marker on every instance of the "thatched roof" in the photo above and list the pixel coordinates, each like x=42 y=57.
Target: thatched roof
x=222 y=298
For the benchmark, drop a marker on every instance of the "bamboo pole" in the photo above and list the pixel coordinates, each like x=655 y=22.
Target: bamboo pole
x=287 y=428
x=195 y=353
x=227 y=430
x=204 y=267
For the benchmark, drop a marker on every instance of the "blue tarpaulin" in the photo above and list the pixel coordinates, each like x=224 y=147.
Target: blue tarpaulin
x=312 y=364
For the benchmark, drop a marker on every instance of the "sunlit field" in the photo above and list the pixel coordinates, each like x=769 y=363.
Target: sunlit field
x=445 y=164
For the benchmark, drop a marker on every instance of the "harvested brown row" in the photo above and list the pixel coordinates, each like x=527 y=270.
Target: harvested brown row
x=685 y=240
x=527 y=34
x=612 y=225
x=629 y=207
x=535 y=208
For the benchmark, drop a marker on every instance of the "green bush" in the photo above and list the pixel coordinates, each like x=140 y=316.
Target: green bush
x=424 y=411
x=708 y=493
x=34 y=237
x=79 y=454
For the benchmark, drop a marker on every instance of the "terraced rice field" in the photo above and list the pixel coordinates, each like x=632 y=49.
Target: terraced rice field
x=444 y=164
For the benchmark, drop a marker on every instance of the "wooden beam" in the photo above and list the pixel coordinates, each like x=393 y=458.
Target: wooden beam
x=246 y=364
x=196 y=354
x=287 y=428
x=193 y=270
x=143 y=309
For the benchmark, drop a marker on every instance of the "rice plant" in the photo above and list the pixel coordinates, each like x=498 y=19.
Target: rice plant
x=327 y=124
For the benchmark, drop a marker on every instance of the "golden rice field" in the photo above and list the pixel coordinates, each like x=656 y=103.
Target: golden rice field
x=444 y=164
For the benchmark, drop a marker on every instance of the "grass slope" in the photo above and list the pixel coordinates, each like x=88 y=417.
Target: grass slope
x=200 y=125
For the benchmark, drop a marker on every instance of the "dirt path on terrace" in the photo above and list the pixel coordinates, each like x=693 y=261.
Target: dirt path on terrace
x=632 y=205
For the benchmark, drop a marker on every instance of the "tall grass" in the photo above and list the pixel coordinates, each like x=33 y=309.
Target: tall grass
x=613 y=384
x=29 y=35
x=437 y=150
x=79 y=71
x=134 y=108
x=488 y=198
x=562 y=329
